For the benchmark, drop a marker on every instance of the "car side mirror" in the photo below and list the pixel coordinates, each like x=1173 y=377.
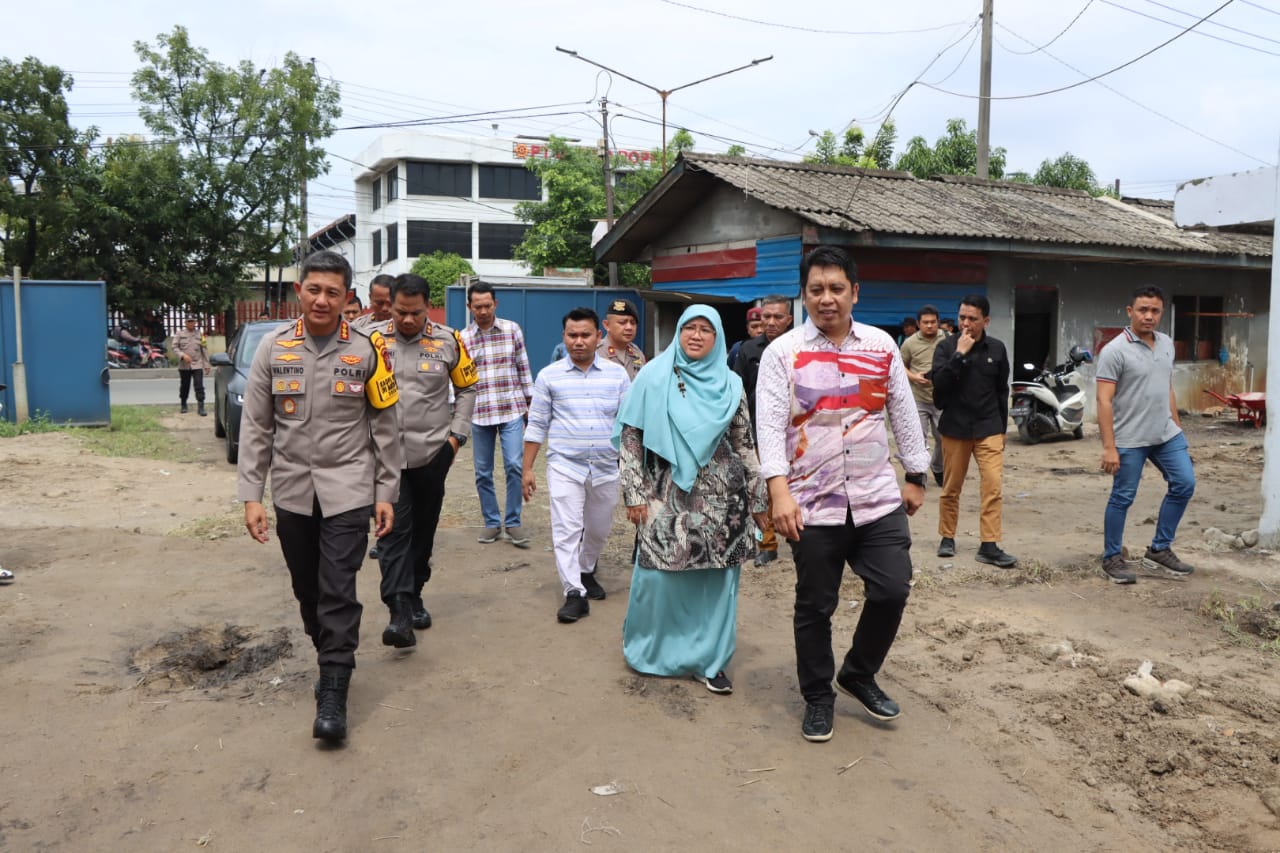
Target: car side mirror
x=220 y=359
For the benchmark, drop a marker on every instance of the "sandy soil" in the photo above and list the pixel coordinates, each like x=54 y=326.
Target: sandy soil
x=157 y=686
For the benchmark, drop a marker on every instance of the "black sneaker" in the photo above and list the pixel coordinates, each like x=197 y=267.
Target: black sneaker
x=871 y=697
x=764 y=558
x=595 y=592
x=818 y=722
x=1118 y=570
x=947 y=547
x=719 y=684
x=990 y=553
x=1166 y=561
x=937 y=477
x=574 y=607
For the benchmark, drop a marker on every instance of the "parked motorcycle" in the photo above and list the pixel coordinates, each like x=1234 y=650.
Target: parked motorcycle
x=1052 y=403
x=142 y=355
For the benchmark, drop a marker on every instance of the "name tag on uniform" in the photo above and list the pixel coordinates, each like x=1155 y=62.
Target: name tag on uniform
x=343 y=388
x=288 y=385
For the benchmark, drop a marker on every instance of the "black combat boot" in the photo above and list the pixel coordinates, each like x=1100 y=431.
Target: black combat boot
x=183 y=410
x=200 y=409
x=331 y=703
x=421 y=618
x=400 y=632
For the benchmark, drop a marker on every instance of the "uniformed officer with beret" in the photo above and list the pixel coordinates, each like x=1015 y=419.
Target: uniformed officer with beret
x=319 y=414
x=193 y=364
x=620 y=324
x=429 y=359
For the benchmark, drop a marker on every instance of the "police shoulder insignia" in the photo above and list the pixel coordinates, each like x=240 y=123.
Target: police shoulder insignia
x=289 y=344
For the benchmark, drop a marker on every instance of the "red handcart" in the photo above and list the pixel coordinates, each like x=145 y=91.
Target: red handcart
x=1251 y=408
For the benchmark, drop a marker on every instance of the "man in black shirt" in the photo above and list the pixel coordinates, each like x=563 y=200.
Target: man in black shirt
x=971 y=387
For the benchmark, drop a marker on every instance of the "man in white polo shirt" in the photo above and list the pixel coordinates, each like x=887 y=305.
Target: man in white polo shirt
x=1138 y=419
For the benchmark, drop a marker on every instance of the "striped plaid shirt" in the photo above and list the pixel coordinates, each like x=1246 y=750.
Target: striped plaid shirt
x=820 y=419
x=506 y=383
x=572 y=413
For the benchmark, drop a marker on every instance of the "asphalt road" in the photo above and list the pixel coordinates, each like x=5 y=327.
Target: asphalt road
x=148 y=387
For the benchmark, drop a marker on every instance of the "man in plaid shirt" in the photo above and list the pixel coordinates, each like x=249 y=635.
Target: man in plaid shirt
x=502 y=401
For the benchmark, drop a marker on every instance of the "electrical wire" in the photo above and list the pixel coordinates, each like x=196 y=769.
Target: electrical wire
x=1060 y=34
x=1136 y=102
x=1115 y=5
x=1214 y=23
x=810 y=29
x=1107 y=73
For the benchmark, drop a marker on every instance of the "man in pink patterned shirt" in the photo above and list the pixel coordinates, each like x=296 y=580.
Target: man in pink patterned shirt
x=821 y=399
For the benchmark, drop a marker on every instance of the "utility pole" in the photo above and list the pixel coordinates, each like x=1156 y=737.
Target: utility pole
x=984 y=95
x=608 y=182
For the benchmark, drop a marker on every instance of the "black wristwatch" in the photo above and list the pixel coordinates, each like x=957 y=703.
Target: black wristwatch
x=916 y=480
x=462 y=439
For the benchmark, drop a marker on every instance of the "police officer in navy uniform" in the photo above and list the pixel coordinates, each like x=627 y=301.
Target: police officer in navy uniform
x=319 y=414
x=429 y=360
x=620 y=324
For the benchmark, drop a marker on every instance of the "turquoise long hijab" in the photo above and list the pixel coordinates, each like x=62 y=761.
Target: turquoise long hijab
x=683 y=406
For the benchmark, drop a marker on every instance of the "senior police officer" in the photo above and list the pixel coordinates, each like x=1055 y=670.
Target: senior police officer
x=319 y=414
x=379 y=303
x=193 y=364
x=620 y=323
x=429 y=360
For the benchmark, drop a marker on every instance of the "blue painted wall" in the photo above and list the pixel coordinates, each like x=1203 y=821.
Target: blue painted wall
x=64 y=337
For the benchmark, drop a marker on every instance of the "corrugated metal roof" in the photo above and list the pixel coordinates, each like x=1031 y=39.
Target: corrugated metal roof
x=868 y=200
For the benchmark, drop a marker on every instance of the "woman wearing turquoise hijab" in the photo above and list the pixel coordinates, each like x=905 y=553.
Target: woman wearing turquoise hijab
x=691 y=483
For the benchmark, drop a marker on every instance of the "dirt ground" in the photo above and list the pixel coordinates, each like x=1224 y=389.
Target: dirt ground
x=157 y=685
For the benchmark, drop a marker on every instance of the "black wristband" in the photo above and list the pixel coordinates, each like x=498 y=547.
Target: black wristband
x=916 y=480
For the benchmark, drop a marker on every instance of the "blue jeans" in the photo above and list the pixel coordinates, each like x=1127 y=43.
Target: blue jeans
x=483 y=439
x=1173 y=460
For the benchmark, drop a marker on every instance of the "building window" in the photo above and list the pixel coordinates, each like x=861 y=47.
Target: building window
x=452 y=179
x=393 y=241
x=426 y=237
x=377 y=193
x=377 y=247
x=393 y=185
x=509 y=182
x=1197 y=327
x=498 y=240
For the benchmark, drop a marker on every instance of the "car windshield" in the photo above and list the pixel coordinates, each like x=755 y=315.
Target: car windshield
x=250 y=337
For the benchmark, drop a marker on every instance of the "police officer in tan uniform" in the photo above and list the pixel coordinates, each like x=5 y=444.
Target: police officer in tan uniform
x=193 y=364
x=319 y=413
x=620 y=324
x=429 y=360
x=379 y=303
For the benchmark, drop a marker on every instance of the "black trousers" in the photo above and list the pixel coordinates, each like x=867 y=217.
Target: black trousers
x=323 y=555
x=187 y=378
x=880 y=554
x=404 y=554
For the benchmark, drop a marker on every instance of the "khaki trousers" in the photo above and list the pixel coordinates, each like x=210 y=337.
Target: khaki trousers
x=989 y=453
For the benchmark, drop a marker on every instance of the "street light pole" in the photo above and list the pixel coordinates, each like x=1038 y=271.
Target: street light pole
x=661 y=93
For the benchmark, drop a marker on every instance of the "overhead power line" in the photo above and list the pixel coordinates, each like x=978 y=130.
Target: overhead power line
x=1115 y=5
x=1218 y=24
x=1107 y=73
x=1060 y=34
x=818 y=30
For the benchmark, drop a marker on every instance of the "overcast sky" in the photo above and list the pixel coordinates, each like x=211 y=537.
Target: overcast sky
x=1205 y=104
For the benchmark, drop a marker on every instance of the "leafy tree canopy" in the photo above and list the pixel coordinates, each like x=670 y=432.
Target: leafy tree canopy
x=441 y=269
x=853 y=149
x=955 y=153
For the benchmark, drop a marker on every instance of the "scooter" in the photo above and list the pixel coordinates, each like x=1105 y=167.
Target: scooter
x=1052 y=403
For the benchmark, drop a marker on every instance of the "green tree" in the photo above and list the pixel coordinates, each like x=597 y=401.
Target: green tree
x=853 y=149
x=1067 y=171
x=736 y=150
x=441 y=269
x=955 y=153
x=245 y=139
x=43 y=157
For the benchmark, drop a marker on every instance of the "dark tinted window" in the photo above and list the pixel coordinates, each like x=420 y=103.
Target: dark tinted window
x=509 y=182
x=393 y=184
x=377 y=193
x=393 y=241
x=438 y=179
x=426 y=237
x=497 y=240
x=247 y=342
x=377 y=247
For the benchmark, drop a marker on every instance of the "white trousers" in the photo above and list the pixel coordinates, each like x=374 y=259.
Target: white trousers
x=581 y=519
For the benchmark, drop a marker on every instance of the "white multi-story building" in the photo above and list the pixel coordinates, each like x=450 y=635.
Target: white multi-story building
x=417 y=193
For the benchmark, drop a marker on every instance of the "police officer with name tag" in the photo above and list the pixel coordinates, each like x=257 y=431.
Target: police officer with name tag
x=429 y=359
x=319 y=414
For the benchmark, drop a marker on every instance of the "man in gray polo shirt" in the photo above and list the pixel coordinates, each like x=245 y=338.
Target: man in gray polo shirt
x=1138 y=419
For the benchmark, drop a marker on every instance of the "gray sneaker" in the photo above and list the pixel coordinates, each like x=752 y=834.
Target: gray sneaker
x=1166 y=561
x=490 y=535
x=517 y=537
x=1116 y=568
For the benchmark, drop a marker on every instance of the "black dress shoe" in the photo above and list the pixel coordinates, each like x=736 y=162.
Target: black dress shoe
x=574 y=607
x=937 y=477
x=421 y=618
x=595 y=592
x=871 y=697
x=947 y=547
